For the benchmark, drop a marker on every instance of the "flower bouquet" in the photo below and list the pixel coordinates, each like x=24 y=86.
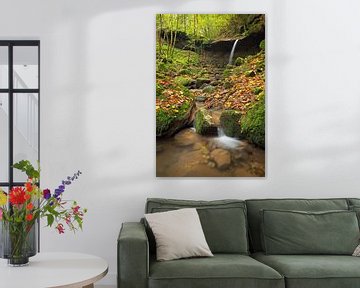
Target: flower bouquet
x=21 y=208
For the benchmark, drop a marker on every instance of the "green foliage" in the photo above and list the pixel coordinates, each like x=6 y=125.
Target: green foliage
x=179 y=58
x=244 y=25
x=262 y=45
x=185 y=71
x=159 y=89
x=165 y=118
x=163 y=121
x=227 y=73
x=230 y=122
x=257 y=90
x=183 y=81
x=26 y=167
x=239 y=61
x=198 y=26
x=253 y=123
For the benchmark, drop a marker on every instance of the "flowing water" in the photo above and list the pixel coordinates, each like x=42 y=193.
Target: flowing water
x=193 y=155
x=188 y=154
x=232 y=52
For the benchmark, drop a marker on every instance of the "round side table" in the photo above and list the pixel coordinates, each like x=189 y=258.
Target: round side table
x=50 y=270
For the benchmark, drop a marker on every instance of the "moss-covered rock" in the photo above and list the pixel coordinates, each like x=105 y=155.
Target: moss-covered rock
x=230 y=122
x=208 y=89
x=183 y=81
x=239 y=61
x=167 y=124
x=204 y=123
x=202 y=81
x=253 y=123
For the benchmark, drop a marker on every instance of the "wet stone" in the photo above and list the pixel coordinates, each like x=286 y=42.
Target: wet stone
x=222 y=158
x=185 y=137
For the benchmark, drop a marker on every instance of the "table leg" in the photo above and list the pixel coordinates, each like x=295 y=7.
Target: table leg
x=89 y=286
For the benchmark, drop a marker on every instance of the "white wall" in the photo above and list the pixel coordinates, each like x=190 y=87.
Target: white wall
x=97 y=105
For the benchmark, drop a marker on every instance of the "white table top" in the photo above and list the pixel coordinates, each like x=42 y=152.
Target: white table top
x=45 y=270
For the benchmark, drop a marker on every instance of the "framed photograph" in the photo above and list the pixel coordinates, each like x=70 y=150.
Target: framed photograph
x=210 y=95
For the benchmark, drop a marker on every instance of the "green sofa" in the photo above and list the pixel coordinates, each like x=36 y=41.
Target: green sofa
x=233 y=230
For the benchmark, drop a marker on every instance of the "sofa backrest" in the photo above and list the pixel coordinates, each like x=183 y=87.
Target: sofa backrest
x=256 y=205
x=223 y=221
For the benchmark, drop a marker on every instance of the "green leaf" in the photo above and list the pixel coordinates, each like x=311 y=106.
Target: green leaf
x=50 y=219
x=26 y=167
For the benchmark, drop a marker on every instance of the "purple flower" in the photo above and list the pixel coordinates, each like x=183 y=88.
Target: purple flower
x=58 y=192
x=46 y=194
x=64 y=183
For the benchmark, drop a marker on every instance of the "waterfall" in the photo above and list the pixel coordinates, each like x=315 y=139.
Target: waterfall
x=232 y=51
x=226 y=142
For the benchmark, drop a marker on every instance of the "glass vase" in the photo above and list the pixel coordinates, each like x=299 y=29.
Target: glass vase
x=18 y=242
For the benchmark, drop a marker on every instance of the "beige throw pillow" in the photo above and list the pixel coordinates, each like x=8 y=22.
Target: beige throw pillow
x=178 y=234
x=357 y=251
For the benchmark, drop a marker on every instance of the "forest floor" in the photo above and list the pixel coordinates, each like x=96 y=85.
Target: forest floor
x=193 y=80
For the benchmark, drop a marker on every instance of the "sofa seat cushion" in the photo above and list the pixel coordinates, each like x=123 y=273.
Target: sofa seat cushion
x=313 y=271
x=222 y=270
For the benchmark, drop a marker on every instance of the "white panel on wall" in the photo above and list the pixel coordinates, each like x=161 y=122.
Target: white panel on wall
x=98 y=96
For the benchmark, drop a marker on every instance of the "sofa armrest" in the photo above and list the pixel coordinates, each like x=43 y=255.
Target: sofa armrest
x=133 y=256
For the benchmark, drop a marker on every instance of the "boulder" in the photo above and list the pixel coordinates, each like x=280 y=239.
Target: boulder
x=204 y=123
x=208 y=89
x=200 y=98
x=167 y=127
x=230 y=122
x=222 y=158
x=215 y=83
x=192 y=84
x=201 y=81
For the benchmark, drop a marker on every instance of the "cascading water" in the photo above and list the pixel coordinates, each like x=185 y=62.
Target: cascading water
x=225 y=141
x=232 y=52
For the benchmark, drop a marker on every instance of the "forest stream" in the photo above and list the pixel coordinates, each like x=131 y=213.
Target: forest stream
x=189 y=154
x=210 y=95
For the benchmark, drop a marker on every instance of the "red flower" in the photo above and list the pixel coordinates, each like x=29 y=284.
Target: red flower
x=17 y=196
x=29 y=217
x=29 y=206
x=60 y=228
x=27 y=196
x=29 y=187
x=75 y=209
